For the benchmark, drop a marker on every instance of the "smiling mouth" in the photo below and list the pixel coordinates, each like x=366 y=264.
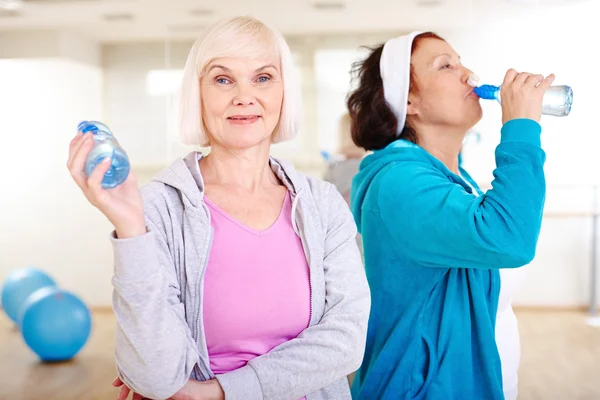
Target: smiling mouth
x=243 y=119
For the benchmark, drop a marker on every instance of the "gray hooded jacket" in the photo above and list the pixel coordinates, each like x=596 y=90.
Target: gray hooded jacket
x=158 y=286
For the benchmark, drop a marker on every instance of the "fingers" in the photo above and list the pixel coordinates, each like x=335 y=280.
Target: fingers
x=123 y=393
x=546 y=83
x=75 y=146
x=517 y=79
x=533 y=80
x=77 y=162
x=94 y=181
x=74 y=141
x=95 y=178
x=510 y=76
x=80 y=152
x=521 y=78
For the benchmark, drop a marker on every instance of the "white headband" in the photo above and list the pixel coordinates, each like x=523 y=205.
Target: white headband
x=394 y=68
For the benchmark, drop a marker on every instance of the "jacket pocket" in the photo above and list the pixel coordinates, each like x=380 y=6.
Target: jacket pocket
x=424 y=368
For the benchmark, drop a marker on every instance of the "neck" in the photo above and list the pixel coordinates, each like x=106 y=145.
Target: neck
x=247 y=169
x=443 y=144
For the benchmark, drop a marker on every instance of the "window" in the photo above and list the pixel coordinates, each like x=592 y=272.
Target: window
x=163 y=81
x=333 y=83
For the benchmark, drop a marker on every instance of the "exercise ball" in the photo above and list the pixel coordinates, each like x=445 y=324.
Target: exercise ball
x=55 y=324
x=19 y=285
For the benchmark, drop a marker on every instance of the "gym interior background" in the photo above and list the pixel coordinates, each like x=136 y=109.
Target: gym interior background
x=62 y=61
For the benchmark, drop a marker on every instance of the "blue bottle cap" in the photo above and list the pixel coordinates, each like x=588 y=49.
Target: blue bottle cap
x=487 y=92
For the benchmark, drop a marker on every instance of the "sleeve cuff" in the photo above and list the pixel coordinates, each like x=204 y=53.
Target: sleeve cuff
x=521 y=130
x=134 y=256
x=241 y=384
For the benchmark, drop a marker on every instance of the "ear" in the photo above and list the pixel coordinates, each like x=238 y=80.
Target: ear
x=411 y=105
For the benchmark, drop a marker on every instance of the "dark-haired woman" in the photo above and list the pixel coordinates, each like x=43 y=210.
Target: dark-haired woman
x=441 y=324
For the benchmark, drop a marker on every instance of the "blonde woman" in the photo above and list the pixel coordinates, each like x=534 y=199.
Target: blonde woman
x=236 y=276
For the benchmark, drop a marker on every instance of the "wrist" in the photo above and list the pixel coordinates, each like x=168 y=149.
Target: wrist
x=195 y=390
x=213 y=390
x=521 y=130
x=129 y=231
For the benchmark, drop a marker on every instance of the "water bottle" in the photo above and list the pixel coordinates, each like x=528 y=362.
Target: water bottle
x=557 y=99
x=105 y=145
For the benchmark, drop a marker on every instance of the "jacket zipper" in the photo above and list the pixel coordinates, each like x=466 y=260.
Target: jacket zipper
x=307 y=255
x=200 y=285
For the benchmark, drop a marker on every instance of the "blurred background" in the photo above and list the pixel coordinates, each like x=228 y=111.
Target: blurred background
x=120 y=62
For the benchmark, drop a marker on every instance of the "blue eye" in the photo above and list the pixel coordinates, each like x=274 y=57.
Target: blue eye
x=264 y=79
x=222 y=81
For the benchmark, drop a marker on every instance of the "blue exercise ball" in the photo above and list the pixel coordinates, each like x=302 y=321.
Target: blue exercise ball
x=55 y=324
x=19 y=285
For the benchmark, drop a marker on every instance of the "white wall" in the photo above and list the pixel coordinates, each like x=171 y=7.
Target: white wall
x=49 y=44
x=46 y=222
x=137 y=117
x=44 y=219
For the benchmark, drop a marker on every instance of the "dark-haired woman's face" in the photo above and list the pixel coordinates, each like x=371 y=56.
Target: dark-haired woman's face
x=443 y=97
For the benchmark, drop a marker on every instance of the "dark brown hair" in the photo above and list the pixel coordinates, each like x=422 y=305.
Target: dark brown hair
x=374 y=124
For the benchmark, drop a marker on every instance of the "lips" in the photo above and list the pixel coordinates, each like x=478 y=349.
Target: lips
x=243 y=119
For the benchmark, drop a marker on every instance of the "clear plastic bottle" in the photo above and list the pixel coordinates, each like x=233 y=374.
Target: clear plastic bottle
x=557 y=101
x=105 y=145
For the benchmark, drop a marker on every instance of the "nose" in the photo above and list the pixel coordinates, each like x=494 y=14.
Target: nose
x=244 y=95
x=469 y=77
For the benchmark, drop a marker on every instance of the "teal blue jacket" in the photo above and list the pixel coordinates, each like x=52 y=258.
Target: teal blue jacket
x=432 y=252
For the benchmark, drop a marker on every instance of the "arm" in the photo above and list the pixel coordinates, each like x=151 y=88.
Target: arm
x=193 y=390
x=155 y=352
x=437 y=223
x=329 y=350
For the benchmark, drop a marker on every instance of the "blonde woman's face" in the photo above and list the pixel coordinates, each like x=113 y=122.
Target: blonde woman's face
x=241 y=100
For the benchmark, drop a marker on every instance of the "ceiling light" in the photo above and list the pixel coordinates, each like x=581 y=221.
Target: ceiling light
x=11 y=5
x=328 y=5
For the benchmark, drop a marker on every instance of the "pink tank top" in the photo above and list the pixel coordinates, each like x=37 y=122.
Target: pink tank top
x=256 y=289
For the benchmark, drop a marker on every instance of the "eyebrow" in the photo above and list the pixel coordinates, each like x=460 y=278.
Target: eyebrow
x=441 y=55
x=215 y=66
x=266 y=67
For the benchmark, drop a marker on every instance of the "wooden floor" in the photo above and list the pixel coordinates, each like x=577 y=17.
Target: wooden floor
x=561 y=360
x=87 y=377
x=560 y=356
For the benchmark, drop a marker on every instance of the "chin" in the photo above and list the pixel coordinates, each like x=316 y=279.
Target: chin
x=476 y=120
x=242 y=142
x=475 y=116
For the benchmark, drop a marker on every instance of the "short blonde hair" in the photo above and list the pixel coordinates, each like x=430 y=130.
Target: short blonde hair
x=233 y=38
